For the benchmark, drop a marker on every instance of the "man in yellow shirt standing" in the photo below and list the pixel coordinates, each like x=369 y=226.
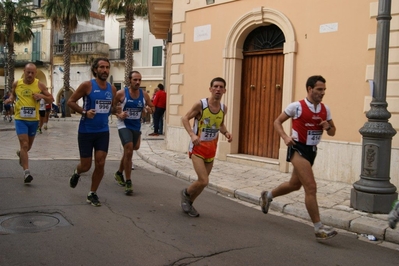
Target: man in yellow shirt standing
x=27 y=92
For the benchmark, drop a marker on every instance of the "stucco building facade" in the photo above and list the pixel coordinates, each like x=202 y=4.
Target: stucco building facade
x=266 y=50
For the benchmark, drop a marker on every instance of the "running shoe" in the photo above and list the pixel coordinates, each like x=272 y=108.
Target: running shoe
x=185 y=201
x=193 y=212
x=120 y=179
x=92 y=198
x=45 y=127
x=393 y=216
x=28 y=179
x=39 y=130
x=128 y=188
x=73 y=181
x=187 y=205
x=19 y=156
x=325 y=232
x=265 y=202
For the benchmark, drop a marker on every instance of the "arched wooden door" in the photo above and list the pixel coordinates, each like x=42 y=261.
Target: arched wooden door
x=261 y=92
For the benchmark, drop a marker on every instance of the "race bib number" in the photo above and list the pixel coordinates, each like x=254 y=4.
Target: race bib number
x=134 y=113
x=313 y=137
x=209 y=134
x=28 y=112
x=103 y=106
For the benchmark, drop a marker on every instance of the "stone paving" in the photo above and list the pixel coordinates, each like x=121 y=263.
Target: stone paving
x=237 y=181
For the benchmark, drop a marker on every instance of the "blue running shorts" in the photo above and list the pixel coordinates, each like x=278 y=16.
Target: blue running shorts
x=26 y=127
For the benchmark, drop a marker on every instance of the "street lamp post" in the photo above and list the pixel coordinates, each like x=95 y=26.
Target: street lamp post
x=374 y=193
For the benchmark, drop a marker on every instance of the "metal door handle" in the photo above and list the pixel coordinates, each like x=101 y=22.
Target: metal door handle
x=278 y=86
x=252 y=87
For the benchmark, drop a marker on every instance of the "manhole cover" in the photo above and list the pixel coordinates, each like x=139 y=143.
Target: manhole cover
x=30 y=222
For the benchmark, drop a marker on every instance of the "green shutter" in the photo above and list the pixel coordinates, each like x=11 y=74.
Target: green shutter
x=157 y=56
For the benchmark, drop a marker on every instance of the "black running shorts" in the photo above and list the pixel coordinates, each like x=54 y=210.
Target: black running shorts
x=306 y=151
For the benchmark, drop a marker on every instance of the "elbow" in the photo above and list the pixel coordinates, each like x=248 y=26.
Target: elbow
x=276 y=124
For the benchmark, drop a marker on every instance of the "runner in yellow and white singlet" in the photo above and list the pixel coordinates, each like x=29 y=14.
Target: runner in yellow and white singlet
x=208 y=117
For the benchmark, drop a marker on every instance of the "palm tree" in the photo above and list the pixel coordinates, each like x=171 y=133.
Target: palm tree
x=16 y=20
x=64 y=15
x=127 y=8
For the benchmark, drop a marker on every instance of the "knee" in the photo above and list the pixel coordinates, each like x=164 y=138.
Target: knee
x=25 y=146
x=100 y=163
x=84 y=168
x=296 y=187
x=203 y=183
x=129 y=152
x=311 y=189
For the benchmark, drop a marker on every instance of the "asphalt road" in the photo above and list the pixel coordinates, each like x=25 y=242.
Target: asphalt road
x=149 y=227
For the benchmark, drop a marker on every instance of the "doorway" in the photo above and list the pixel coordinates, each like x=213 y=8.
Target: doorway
x=261 y=92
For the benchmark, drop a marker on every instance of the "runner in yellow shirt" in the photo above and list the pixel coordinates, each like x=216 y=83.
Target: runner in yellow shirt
x=208 y=115
x=27 y=92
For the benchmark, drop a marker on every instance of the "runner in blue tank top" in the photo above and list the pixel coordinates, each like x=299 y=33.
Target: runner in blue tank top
x=93 y=133
x=132 y=100
x=98 y=101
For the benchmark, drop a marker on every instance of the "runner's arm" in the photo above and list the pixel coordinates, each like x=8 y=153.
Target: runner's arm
x=80 y=92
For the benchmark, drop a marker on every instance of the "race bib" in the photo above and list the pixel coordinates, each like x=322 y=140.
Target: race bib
x=209 y=134
x=313 y=137
x=28 y=112
x=103 y=106
x=134 y=113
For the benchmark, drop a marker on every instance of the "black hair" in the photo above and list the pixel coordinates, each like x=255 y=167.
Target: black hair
x=311 y=82
x=95 y=64
x=131 y=73
x=218 y=79
x=161 y=87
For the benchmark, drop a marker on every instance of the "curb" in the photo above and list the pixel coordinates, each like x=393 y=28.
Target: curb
x=340 y=217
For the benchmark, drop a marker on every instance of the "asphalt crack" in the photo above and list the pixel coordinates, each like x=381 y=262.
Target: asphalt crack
x=193 y=259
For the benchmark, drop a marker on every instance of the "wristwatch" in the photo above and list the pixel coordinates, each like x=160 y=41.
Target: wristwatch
x=84 y=113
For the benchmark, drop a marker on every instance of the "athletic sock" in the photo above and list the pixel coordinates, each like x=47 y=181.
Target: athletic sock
x=185 y=192
x=269 y=195
x=26 y=172
x=317 y=226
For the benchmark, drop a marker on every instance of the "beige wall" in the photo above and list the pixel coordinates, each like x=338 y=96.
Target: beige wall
x=344 y=57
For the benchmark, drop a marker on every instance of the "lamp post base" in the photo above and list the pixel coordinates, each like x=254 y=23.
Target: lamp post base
x=371 y=202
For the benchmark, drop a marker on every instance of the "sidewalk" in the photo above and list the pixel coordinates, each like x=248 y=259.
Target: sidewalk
x=238 y=181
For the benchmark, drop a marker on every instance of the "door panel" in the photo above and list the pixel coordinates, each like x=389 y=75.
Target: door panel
x=261 y=97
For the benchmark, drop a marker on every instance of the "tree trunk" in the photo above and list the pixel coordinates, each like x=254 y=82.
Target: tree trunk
x=10 y=67
x=129 y=45
x=67 y=66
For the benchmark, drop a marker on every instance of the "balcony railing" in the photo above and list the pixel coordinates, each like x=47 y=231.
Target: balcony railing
x=117 y=54
x=23 y=58
x=84 y=48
